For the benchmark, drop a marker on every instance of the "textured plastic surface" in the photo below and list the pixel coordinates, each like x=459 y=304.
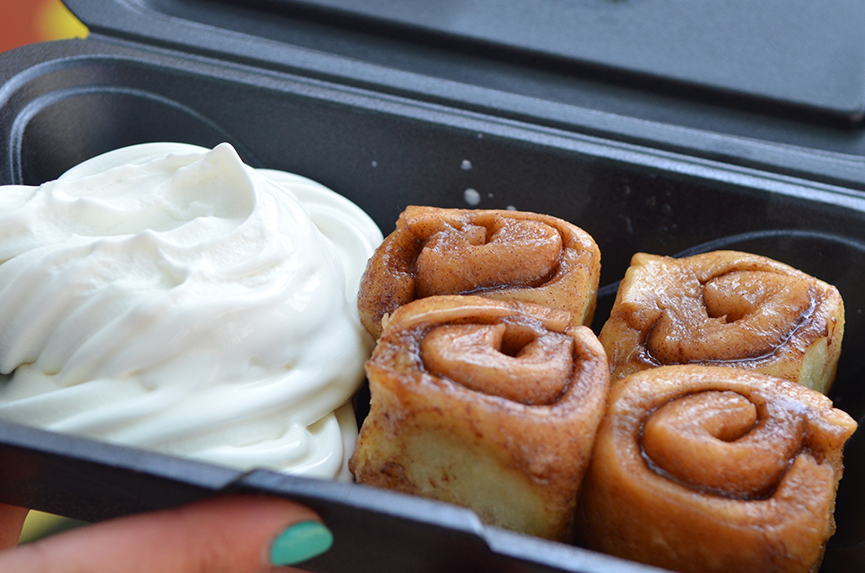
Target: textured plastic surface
x=63 y=103
x=514 y=84
x=794 y=52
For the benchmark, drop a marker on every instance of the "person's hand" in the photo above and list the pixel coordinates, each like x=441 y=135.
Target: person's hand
x=237 y=534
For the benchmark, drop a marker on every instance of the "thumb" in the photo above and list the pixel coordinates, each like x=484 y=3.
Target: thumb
x=234 y=534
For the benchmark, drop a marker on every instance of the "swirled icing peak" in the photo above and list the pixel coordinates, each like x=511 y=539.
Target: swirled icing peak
x=170 y=297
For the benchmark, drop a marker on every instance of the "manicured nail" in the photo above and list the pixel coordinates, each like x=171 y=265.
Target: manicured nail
x=300 y=542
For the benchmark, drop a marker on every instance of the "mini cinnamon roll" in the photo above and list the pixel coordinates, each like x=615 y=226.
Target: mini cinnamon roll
x=704 y=469
x=491 y=405
x=725 y=308
x=503 y=255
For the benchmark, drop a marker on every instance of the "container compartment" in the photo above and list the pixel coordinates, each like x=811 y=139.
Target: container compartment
x=64 y=103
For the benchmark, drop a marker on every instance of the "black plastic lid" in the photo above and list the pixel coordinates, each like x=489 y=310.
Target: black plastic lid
x=788 y=52
x=761 y=85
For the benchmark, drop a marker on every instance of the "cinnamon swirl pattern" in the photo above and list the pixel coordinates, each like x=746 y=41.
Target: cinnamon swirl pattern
x=492 y=405
x=725 y=308
x=699 y=468
x=503 y=255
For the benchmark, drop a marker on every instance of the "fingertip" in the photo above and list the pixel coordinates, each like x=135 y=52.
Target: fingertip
x=232 y=534
x=286 y=533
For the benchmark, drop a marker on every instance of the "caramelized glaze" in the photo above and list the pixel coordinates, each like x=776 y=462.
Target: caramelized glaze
x=488 y=404
x=725 y=308
x=703 y=469
x=503 y=255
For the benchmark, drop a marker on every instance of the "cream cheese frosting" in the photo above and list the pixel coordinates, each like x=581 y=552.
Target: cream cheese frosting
x=170 y=297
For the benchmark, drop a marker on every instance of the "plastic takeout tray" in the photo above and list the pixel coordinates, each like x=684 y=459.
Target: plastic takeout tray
x=386 y=138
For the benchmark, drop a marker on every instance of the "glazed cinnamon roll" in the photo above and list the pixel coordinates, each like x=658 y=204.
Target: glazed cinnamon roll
x=503 y=255
x=491 y=405
x=704 y=469
x=725 y=308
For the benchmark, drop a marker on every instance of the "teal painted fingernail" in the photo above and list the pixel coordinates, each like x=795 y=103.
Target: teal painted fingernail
x=300 y=542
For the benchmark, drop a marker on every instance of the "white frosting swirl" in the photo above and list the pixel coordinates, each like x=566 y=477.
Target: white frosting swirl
x=169 y=297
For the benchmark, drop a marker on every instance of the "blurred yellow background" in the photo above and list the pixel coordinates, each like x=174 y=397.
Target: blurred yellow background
x=27 y=21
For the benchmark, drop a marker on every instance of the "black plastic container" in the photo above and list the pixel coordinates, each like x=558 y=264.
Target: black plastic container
x=389 y=114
